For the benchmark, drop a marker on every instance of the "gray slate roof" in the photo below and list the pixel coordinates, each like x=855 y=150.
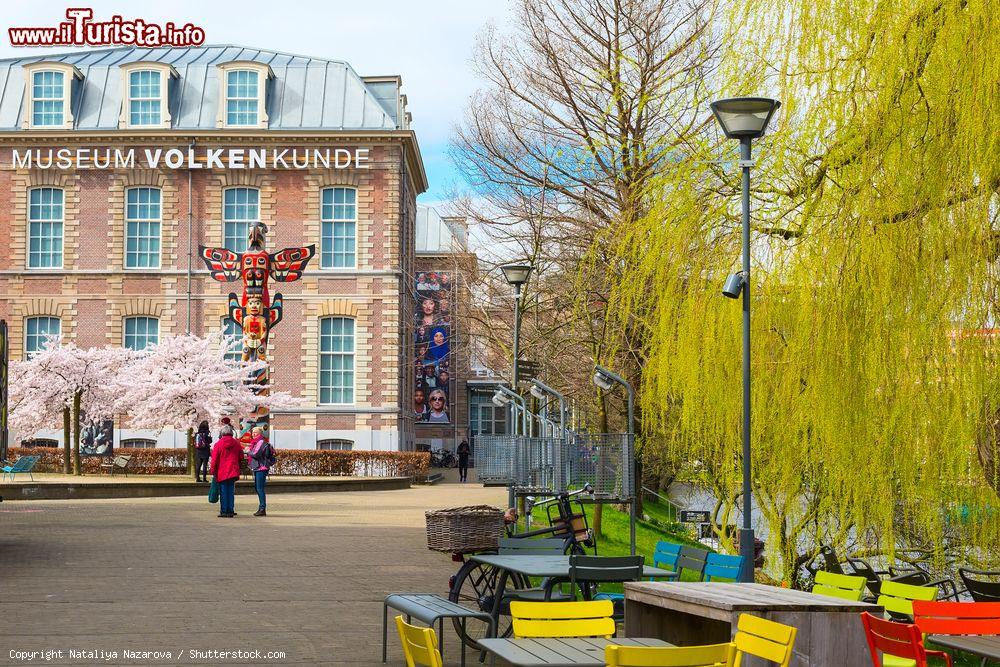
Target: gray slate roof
x=305 y=94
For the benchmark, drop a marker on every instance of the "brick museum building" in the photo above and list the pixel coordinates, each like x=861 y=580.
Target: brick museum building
x=117 y=164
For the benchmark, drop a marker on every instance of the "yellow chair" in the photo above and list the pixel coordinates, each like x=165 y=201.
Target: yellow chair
x=897 y=600
x=420 y=646
x=563 y=619
x=842 y=586
x=764 y=639
x=715 y=655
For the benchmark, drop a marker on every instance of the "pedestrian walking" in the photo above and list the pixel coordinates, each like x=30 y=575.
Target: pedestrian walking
x=202 y=451
x=225 y=466
x=463 y=461
x=260 y=458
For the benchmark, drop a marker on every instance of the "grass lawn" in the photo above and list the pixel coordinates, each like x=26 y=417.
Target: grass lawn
x=614 y=541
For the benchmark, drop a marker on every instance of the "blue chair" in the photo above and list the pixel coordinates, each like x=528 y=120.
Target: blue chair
x=24 y=464
x=666 y=555
x=720 y=567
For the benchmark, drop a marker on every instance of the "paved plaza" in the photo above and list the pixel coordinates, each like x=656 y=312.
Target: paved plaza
x=165 y=574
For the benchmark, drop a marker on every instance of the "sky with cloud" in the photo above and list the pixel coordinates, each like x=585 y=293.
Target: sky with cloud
x=428 y=43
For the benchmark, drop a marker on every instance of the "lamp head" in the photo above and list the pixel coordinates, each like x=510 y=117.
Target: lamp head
x=500 y=399
x=744 y=117
x=516 y=274
x=536 y=391
x=734 y=285
x=602 y=380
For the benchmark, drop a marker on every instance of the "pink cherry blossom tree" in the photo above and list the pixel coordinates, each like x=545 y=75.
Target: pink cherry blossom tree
x=65 y=380
x=185 y=379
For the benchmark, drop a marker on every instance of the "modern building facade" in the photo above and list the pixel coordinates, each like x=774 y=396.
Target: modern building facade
x=117 y=164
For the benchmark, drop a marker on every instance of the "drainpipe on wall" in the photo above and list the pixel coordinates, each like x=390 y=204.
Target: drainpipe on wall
x=190 y=250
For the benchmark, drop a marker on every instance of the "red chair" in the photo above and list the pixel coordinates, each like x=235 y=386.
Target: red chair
x=957 y=618
x=901 y=640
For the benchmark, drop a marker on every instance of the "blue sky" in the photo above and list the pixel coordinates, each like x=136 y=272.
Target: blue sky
x=429 y=43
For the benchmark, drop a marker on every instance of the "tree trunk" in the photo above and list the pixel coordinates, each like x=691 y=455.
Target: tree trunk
x=602 y=407
x=190 y=452
x=77 y=468
x=67 y=448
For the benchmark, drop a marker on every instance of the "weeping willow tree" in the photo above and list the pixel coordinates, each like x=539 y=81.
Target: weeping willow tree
x=876 y=396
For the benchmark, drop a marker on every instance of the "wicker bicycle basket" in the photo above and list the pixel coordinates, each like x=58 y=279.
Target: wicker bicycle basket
x=464 y=529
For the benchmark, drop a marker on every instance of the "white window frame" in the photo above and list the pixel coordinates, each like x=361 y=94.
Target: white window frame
x=167 y=73
x=332 y=219
x=70 y=75
x=249 y=221
x=354 y=363
x=125 y=333
x=335 y=445
x=28 y=354
x=139 y=220
x=132 y=443
x=61 y=220
x=263 y=72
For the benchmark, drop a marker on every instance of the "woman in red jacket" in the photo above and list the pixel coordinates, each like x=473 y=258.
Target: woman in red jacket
x=225 y=466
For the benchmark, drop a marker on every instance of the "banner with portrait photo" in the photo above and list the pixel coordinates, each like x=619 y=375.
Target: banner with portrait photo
x=432 y=396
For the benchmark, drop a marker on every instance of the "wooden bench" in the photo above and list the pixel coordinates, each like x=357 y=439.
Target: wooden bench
x=120 y=462
x=431 y=609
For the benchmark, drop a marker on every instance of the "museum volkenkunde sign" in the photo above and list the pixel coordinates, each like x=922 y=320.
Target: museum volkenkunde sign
x=191 y=158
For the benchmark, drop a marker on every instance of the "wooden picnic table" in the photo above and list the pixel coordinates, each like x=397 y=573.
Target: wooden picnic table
x=987 y=648
x=830 y=633
x=588 y=652
x=538 y=566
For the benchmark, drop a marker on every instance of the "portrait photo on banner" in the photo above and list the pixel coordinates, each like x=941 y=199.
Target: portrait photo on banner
x=432 y=346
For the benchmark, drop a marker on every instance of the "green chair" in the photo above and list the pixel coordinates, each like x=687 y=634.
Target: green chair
x=842 y=586
x=897 y=599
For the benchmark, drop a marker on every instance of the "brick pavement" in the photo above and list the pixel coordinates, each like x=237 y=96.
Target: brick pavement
x=166 y=574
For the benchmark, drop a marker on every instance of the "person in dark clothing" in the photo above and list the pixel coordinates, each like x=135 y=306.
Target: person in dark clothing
x=463 y=461
x=202 y=452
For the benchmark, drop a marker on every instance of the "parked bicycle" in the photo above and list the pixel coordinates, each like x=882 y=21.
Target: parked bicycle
x=474 y=583
x=443 y=458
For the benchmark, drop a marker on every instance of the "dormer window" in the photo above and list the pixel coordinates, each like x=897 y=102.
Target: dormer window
x=242 y=94
x=48 y=95
x=145 y=89
x=47 y=99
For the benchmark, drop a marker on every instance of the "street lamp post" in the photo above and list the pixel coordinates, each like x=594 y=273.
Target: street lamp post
x=606 y=379
x=745 y=118
x=516 y=275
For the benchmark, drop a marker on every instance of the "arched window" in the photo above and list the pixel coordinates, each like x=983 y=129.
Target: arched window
x=335 y=445
x=138 y=443
x=336 y=360
x=45 y=228
x=141 y=332
x=37 y=330
x=240 y=208
x=338 y=221
x=142 y=228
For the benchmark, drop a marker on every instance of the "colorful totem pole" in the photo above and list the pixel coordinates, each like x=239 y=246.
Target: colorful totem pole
x=255 y=311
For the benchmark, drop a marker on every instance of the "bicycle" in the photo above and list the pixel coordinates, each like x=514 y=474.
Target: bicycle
x=474 y=583
x=443 y=458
